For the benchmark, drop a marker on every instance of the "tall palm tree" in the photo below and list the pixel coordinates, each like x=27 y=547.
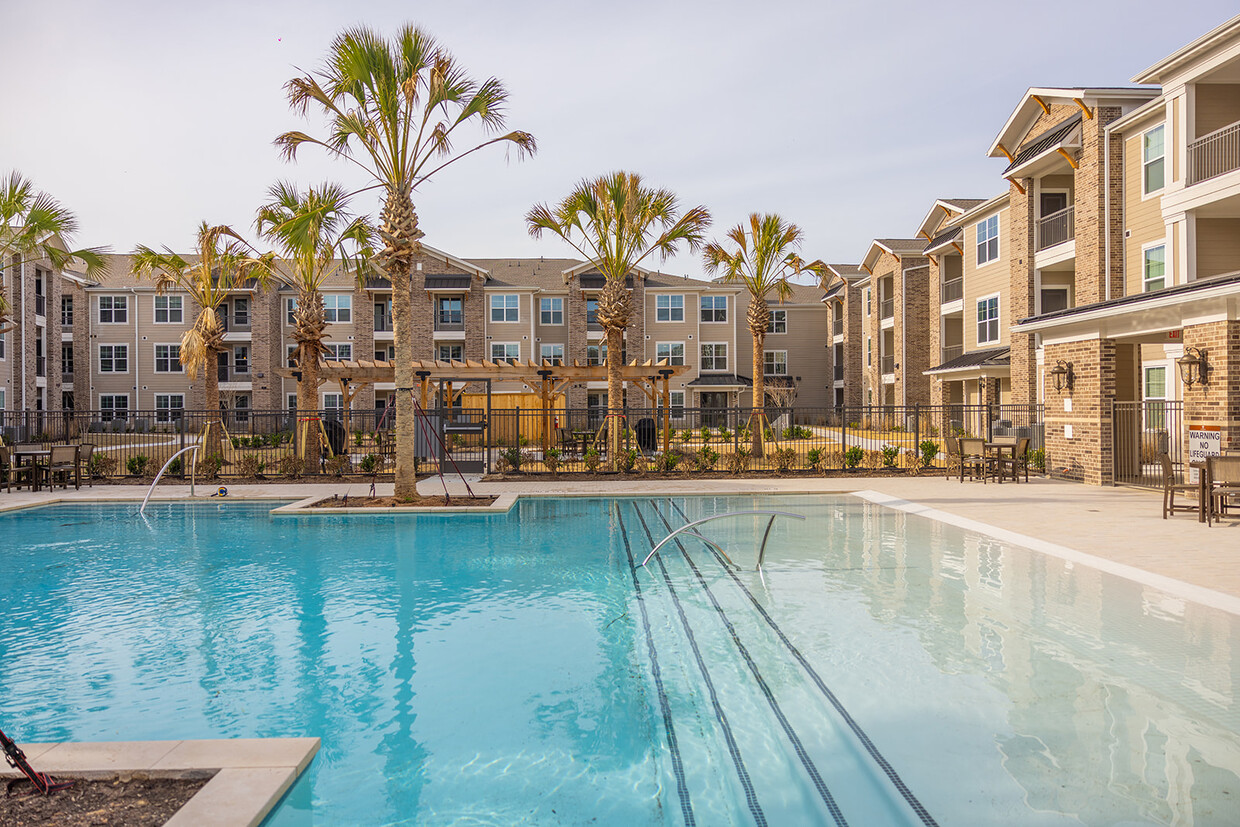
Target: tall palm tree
x=33 y=224
x=764 y=259
x=393 y=108
x=611 y=221
x=318 y=238
x=223 y=262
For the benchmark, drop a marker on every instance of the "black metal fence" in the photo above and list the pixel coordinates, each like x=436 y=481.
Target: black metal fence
x=1143 y=431
x=138 y=443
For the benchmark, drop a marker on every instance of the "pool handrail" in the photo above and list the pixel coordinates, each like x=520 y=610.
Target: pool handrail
x=695 y=523
x=193 y=471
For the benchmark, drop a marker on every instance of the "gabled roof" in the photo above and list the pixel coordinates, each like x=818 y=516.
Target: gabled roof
x=943 y=239
x=1060 y=135
x=1016 y=130
x=943 y=210
x=898 y=247
x=447 y=258
x=1179 y=60
x=587 y=266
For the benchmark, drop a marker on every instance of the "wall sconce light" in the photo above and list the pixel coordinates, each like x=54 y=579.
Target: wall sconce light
x=1062 y=375
x=1193 y=367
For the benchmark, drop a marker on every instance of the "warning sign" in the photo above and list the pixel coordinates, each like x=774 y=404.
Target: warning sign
x=1203 y=441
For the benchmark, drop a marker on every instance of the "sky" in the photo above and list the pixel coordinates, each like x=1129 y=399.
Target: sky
x=848 y=119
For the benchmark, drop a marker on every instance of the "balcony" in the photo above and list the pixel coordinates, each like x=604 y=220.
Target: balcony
x=887 y=364
x=449 y=321
x=839 y=373
x=837 y=327
x=40 y=365
x=383 y=324
x=1056 y=228
x=952 y=290
x=949 y=352
x=1214 y=154
x=887 y=308
x=40 y=305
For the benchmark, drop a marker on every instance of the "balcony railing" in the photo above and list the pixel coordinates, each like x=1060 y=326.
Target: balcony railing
x=888 y=308
x=449 y=321
x=953 y=290
x=40 y=305
x=40 y=366
x=949 y=352
x=1214 y=154
x=837 y=327
x=383 y=324
x=1056 y=228
x=888 y=364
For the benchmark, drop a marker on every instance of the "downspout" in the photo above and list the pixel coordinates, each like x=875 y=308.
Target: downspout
x=137 y=385
x=903 y=337
x=21 y=293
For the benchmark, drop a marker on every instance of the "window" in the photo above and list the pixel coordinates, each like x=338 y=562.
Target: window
x=1054 y=299
x=3 y=336
x=779 y=321
x=869 y=351
x=449 y=313
x=343 y=351
x=551 y=353
x=1154 y=272
x=504 y=309
x=551 y=311
x=676 y=408
x=168 y=310
x=292 y=401
x=714 y=308
x=3 y=401
x=113 y=310
x=673 y=352
x=775 y=363
x=168 y=407
x=114 y=359
x=168 y=359
x=869 y=307
x=505 y=351
x=1155 y=396
x=988 y=320
x=241 y=312
x=333 y=402
x=591 y=312
x=66 y=311
x=987 y=240
x=669 y=308
x=451 y=353
x=383 y=316
x=113 y=406
x=241 y=359
x=714 y=357
x=1153 y=160
x=66 y=359
x=596 y=354
x=290 y=308
x=338 y=308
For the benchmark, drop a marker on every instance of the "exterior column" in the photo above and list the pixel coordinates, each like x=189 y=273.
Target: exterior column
x=1216 y=403
x=1079 y=428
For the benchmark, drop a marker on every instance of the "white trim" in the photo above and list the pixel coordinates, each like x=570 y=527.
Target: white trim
x=491 y=351
x=670 y=308
x=491 y=308
x=1167 y=279
x=562 y=312
x=702 y=361
x=1146 y=196
x=167 y=298
x=977 y=243
x=114 y=297
x=99 y=358
x=998 y=297
x=775 y=352
x=155 y=358
x=684 y=354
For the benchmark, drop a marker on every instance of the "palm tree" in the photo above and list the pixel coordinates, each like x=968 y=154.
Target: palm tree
x=764 y=259
x=393 y=109
x=611 y=221
x=223 y=262
x=318 y=239
x=34 y=225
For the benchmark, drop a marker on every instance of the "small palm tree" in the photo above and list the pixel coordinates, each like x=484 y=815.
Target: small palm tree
x=318 y=238
x=393 y=109
x=764 y=259
x=223 y=262
x=34 y=225
x=611 y=221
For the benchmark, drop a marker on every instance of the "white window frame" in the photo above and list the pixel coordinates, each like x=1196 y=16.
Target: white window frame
x=241 y=366
x=601 y=349
x=245 y=300
x=112 y=309
x=68 y=345
x=512 y=351
x=338 y=308
x=332 y=401
x=3 y=400
x=174 y=360
x=988 y=224
x=553 y=351
x=667 y=310
x=503 y=305
x=450 y=346
x=714 y=310
x=112 y=358
x=290 y=307
x=1153 y=420
x=164 y=414
x=1147 y=162
x=1146 y=249
x=551 y=310
x=108 y=413
x=332 y=351
x=869 y=304
x=777 y=321
x=66 y=304
x=771 y=361
x=998 y=334
x=714 y=357
x=290 y=358
x=3 y=349
x=670 y=348
x=168 y=310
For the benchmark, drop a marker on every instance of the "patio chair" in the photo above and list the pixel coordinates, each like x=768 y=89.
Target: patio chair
x=85 y=451
x=973 y=459
x=1224 y=479
x=62 y=463
x=13 y=474
x=1171 y=488
x=953 y=456
x=1014 y=463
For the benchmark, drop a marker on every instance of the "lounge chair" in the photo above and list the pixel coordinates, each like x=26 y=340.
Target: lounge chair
x=1171 y=488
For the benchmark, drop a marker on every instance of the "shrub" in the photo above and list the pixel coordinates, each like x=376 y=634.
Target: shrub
x=872 y=460
x=249 y=465
x=210 y=465
x=175 y=468
x=337 y=465
x=592 y=460
x=856 y=426
x=797 y=432
x=627 y=460
x=686 y=435
x=513 y=457
x=523 y=440
x=897 y=429
x=137 y=465
x=1037 y=459
x=552 y=459
x=853 y=456
x=890 y=454
x=724 y=434
x=929 y=451
x=357 y=438
x=290 y=466
x=784 y=458
x=706 y=459
x=668 y=460
x=932 y=431
x=371 y=463
x=738 y=461
x=767 y=434
x=814 y=458
x=705 y=434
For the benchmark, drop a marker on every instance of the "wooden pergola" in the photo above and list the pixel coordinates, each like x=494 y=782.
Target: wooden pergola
x=653 y=378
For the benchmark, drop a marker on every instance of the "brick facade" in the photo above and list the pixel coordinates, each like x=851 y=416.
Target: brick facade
x=1085 y=456
x=1218 y=401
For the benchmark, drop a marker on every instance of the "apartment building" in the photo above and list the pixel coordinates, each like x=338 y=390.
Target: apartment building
x=895 y=322
x=121 y=341
x=845 y=298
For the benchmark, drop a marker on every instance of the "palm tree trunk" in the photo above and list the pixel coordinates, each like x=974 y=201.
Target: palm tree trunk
x=615 y=393
x=757 y=416
x=399 y=228
x=307 y=409
x=212 y=431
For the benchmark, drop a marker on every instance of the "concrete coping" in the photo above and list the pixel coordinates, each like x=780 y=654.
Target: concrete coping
x=304 y=508
x=249 y=775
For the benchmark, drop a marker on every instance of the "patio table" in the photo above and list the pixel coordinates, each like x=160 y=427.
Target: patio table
x=33 y=457
x=1203 y=487
x=999 y=451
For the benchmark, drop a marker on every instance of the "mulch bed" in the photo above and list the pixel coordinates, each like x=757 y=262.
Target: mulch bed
x=512 y=476
x=123 y=801
x=393 y=502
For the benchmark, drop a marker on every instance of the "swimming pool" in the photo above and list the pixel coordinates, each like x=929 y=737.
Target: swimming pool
x=514 y=668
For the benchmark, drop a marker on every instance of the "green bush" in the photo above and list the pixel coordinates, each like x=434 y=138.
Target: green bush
x=738 y=461
x=929 y=451
x=523 y=440
x=784 y=458
x=668 y=460
x=814 y=458
x=137 y=465
x=592 y=460
x=686 y=435
x=627 y=460
x=176 y=467
x=890 y=454
x=552 y=459
x=209 y=467
x=370 y=463
x=1037 y=459
x=513 y=456
x=853 y=456
x=724 y=434
x=358 y=436
x=706 y=459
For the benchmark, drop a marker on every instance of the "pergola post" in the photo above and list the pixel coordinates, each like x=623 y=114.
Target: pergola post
x=545 y=393
x=667 y=409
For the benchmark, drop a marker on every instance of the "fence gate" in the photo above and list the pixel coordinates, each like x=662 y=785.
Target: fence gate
x=1143 y=431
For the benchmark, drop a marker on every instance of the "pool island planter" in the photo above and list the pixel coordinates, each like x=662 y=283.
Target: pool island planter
x=251 y=775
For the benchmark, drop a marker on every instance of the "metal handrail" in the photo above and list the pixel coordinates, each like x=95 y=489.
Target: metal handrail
x=696 y=523
x=192 y=473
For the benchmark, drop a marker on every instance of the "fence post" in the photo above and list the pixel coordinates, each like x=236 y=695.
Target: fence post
x=916 y=433
x=181 y=428
x=990 y=436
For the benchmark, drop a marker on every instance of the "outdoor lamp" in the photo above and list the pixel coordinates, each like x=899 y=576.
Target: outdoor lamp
x=1193 y=366
x=1062 y=375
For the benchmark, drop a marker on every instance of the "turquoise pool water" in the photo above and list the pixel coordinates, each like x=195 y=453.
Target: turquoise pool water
x=515 y=669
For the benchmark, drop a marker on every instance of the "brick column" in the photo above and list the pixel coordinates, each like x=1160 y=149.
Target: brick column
x=1021 y=222
x=363 y=342
x=1088 y=454
x=854 y=346
x=266 y=350
x=1218 y=401
x=912 y=331
x=575 y=307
